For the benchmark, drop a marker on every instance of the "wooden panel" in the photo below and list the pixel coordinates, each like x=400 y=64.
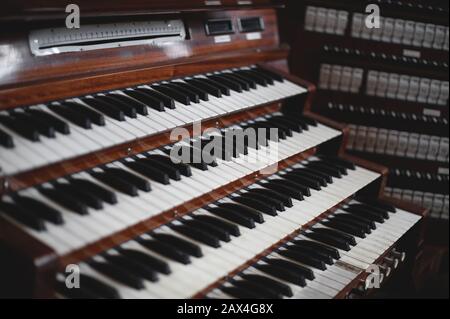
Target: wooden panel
x=26 y=10
x=24 y=76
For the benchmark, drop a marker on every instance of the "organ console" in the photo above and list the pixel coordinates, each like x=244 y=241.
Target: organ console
x=94 y=126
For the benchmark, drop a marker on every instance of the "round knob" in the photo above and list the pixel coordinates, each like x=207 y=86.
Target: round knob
x=386 y=270
x=393 y=262
x=400 y=255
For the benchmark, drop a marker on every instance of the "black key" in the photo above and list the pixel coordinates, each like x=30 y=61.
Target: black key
x=303 y=258
x=213 y=90
x=118 y=273
x=261 y=139
x=42 y=127
x=197 y=234
x=103 y=193
x=233 y=217
x=71 y=115
x=201 y=165
x=287 y=201
x=42 y=210
x=311 y=170
x=135 y=267
x=294 y=267
x=170 y=170
x=20 y=128
x=184 y=169
x=307 y=174
x=295 y=126
x=165 y=250
x=93 y=116
x=282 y=273
x=98 y=287
x=280 y=125
x=337 y=234
x=23 y=216
x=325 y=163
x=6 y=140
x=80 y=194
x=329 y=240
x=263 y=281
x=303 y=180
x=106 y=108
x=116 y=182
x=376 y=203
x=291 y=182
x=126 y=108
x=364 y=213
x=324 y=169
x=273 y=75
x=131 y=178
x=229 y=227
x=157 y=264
x=337 y=160
x=147 y=99
x=177 y=95
x=193 y=96
x=345 y=227
x=305 y=119
x=318 y=246
x=232 y=85
x=279 y=187
x=250 y=82
x=65 y=200
x=268 y=128
x=244 y=210
x=223 y=89
x=202 y=94
x=251 y=76
x=317 y=254
x=268 y=79
x=262 y=292
x=148 y=171
x=243 y=84
x=59 y=125
x=225 y=149
x=166 y=100
x=346 y=218
x=271 y=202
x=208 y=228
x=180 y=244
x=135 y=104
x=256 y=204
x=240 y=293
x=372 y=209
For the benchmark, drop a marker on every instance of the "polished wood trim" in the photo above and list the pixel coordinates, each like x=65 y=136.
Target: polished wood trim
x=39 y=92
x=29 y=79
x=35 y=10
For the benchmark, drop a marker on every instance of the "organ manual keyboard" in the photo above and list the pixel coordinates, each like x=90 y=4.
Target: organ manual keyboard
x=94 y=174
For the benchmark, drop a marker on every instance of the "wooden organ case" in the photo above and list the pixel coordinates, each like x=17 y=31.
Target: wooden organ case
x=86 y=117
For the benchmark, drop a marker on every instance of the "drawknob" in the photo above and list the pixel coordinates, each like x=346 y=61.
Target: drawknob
x=393 y=262
x=401 y=255
x=386 y=270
